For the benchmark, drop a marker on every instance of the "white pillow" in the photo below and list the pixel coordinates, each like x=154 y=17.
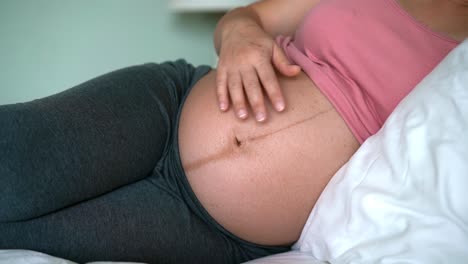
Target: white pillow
x=403 y=197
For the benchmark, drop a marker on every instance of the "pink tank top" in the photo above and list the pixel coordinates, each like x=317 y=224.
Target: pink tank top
x=365 y=56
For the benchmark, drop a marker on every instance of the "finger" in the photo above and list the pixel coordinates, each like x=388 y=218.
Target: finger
x=236 y=92
x=271 y=85
x=254 y=93
x=222 y=89
x=282 y=63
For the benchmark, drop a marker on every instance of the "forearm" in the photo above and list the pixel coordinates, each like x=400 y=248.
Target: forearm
x=249 y=56
x=269 y=17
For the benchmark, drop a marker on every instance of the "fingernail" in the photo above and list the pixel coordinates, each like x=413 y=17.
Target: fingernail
x=223 y=106
x=242 y=113
x=260 y=116
x=280 y=106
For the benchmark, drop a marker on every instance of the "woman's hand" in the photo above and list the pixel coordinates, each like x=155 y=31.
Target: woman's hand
x=248 y=61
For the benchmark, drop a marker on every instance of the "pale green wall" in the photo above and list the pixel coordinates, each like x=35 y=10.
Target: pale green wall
x=50 y=45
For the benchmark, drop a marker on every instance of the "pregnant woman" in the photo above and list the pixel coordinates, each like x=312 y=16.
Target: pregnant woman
x=142 y=165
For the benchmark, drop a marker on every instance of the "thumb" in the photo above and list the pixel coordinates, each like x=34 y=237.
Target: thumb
x=282 y=63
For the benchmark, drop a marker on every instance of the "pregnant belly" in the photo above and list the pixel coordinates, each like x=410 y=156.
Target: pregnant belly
x=261 y=180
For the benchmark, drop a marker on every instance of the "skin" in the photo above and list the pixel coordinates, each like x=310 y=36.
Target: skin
x=446 y=17
x=260 y=180
x=250 y=60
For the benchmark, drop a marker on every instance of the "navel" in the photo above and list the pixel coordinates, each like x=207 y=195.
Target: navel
x=237 y=145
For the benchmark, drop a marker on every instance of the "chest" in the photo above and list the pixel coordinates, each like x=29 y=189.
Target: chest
x=374 y=45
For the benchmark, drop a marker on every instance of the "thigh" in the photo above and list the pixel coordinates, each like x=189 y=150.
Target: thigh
x=88 y=140
x=142 y=221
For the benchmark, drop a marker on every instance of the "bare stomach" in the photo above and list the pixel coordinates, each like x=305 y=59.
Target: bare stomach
x=260 y=181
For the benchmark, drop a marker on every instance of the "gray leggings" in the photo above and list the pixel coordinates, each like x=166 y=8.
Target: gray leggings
x=93 y=173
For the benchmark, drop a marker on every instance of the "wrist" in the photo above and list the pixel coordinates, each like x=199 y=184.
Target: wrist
x=238 y=21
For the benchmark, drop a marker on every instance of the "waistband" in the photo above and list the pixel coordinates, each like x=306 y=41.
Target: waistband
x=251 y=249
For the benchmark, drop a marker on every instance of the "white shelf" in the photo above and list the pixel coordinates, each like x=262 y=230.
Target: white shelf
x=207 y=5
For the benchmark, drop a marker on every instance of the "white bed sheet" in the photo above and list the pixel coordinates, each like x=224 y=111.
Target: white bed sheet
x=402 y=198
x=32 y=257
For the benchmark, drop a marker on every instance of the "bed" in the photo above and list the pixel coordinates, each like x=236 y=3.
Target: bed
x=400 y=198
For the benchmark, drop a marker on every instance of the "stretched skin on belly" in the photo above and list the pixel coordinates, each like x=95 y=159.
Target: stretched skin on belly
x=238 y=142
x=261 y=180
